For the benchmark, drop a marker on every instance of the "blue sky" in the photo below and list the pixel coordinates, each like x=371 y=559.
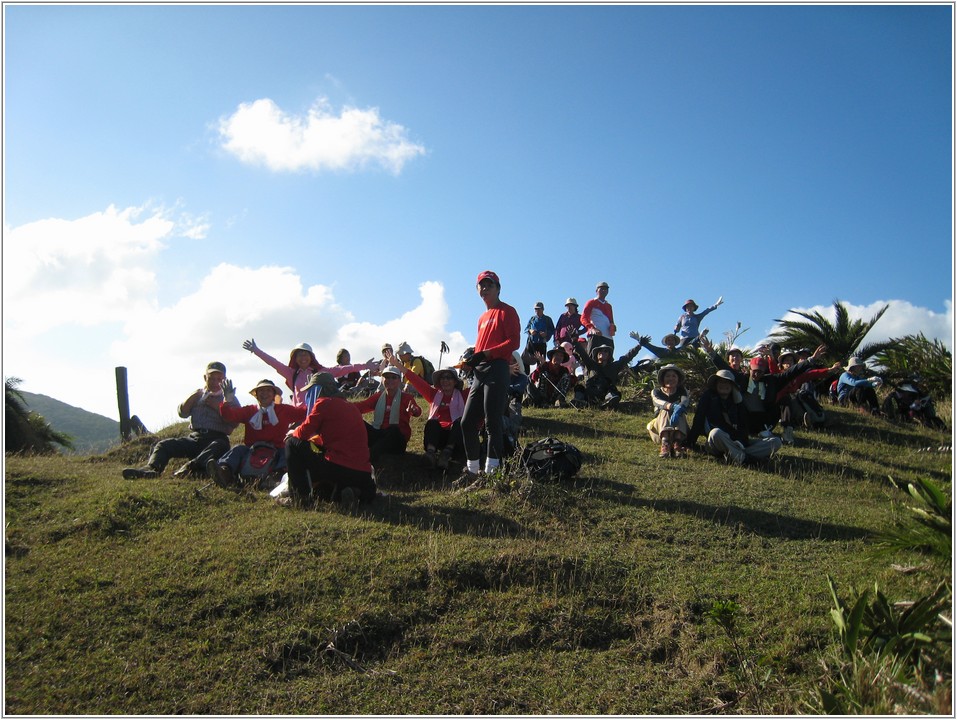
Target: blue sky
x=181 y=178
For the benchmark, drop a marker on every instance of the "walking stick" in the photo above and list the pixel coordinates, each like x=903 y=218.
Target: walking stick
x=443 y=348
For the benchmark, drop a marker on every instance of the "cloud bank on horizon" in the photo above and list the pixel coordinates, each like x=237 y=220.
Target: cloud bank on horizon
x=82 y=297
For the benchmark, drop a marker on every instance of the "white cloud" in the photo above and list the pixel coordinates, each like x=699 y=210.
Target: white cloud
x=64 y=335
x=900 y=319
x=260 y=133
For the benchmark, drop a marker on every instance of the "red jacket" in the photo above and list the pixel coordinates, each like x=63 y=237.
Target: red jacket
x=499 y=332
x=273 y=434
x=408 y=409
x=335 y=425
x=815 y=374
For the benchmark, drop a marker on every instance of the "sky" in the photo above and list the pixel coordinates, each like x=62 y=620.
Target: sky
x=180 y=178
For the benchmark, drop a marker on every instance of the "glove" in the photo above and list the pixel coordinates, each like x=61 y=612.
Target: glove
x=635 y=336
x=476 y=359
x=250 y=345
x=719 y=301
x=229 y=390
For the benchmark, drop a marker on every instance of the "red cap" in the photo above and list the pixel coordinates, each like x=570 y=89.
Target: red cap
x=488 y=275
x=759 y=363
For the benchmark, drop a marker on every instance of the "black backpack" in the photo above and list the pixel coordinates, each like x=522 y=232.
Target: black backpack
x=551 y=459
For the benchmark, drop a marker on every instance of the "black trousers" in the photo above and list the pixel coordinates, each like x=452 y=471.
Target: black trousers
x=439 y=437
x=199 y=446
x=312 y=477
x=487 y=400
x=389 y=441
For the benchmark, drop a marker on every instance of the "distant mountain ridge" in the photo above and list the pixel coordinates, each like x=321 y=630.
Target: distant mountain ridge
x=91 y=433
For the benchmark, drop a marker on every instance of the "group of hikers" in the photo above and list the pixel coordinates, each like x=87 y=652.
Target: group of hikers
x=322 y=442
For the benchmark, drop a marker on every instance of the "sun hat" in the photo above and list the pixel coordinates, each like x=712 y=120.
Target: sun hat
x=215 y=367
x=729 y=376
x=664 y=368
x=602 y=284
x=594 y=351
x=784 y=353
x=551 y=353
x=759 y=363
x=571 y=301
x=328 y=387
x=404 y=348
x=853 y=363
x=688 y=302
x=538 y=305
x=385 y=346
x=735 y=349
x=488 y=275
x=302 y=346
x=266 y=384
x=664 y=340
x=391 y=370
x=437 y=377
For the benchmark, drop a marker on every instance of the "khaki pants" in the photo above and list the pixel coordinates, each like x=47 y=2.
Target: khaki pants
x=663 y=421
x=720 y=443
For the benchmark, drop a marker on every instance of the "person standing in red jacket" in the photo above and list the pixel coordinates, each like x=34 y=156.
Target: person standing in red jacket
x=499 y=335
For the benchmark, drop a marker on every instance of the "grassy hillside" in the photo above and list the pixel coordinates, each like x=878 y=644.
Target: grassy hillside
x=91 y=433
x=597 y=596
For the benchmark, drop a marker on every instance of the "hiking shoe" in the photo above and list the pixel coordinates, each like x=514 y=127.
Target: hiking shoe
x=141 y=472
x=444 y=457
x=348 y=496
x=679 y=450
x=186 y=470
x=788 y=435
x=432 y=457
x=665 y=450
x=466 y=479
x=808 y=421
x=222 y=475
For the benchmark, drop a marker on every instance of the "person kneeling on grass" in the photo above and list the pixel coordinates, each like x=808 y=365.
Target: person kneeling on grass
x=722 y=418
x=328 y=455
x=671 y=399
x=267 y=421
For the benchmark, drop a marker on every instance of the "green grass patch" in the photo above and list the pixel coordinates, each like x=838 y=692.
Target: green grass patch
x=595 y=596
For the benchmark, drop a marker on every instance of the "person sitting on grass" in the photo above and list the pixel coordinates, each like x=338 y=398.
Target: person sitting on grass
x=722 y=419
x=267 y=421
x=328 y=454
x=442 y=433
x=601 y=377
x=208 y=431
x=855 y=388
x=797 y=399
x=734 y=363
x=550 y=381
x=669 y=428
x=392 y=409
x=763 y=387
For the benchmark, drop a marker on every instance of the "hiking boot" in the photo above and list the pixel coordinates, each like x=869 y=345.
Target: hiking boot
x=679 y=450
x=665 y=449
x=444 y=457
x=222 y=475
x=788 y=435
x=147 y=472
x=186 y=470
x=432 y=456
x=348 y=496
x=808 y=421
x=465 y=480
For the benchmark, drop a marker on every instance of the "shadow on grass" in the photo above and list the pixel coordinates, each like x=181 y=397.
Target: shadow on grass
x=759 y=522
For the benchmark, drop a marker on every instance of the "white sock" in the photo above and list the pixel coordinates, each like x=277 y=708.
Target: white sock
x=491 y=464
x=473 y=466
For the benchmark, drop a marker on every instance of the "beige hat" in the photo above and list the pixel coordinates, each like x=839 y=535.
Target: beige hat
x=571 y=301
x=215 y=367
x=664 y=368
x=853 y=363
x=266 y=384
x=729 y=376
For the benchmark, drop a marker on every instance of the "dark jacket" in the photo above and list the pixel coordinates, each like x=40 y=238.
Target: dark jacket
x=713 y=412
x=602 y=379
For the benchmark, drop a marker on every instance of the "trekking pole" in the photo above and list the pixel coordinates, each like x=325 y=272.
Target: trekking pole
x=443 y=348
x=562 y=401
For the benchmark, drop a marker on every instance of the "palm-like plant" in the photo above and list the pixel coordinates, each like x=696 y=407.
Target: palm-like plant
x=27 y=431
x=843 y=337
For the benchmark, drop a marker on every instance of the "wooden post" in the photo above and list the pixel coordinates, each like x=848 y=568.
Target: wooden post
x=123 y=400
